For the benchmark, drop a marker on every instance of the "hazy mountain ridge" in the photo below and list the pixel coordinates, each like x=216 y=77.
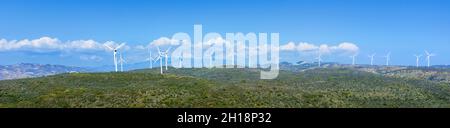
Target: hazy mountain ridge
x=437 y=73
x=440 y=73
x=28 y=70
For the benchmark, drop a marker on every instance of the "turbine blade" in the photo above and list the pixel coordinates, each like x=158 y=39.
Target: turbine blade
x=108 y=47
x=168 y=49
x=159 y=57
x=427 y=52
x=159 y=51
x=121 y=45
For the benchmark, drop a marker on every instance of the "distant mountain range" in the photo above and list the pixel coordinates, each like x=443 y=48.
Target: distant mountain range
x=27 y=70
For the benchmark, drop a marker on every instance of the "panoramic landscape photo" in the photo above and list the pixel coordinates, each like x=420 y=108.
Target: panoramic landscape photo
x=225 y=54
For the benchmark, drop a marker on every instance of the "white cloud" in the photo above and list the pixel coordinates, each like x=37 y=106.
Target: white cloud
x=44 y=42
x=324 y=49
x=345 y=47
x=348 y=47
x=289 y=47
x=164 y=41
x=140 y=47
x=91 y=58
x=302 y=46
x=82 y=45
x=139 y=52
x=41 y=43
x=48 y=44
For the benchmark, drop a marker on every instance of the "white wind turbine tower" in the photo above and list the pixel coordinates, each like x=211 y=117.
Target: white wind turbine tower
x=166 y=54
x=353 y=59
x=180 y=60
x=160 y=56
x=211 y=60
x=371 y=58
x=319 y=59
x=150 y=59
x=417 y=59
x=388 y=58
x=115 y=52
x=211 y=43
x=429 y=55
x=121 y=60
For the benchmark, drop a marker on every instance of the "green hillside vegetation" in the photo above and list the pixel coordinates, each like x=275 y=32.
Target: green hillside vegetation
x=439 y=75
x=224 y=88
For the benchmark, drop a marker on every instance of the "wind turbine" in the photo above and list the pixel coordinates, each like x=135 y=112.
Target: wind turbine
x=150 y=59
x=121 y=60
x=417 y=59
x=429 y=55
x=371 y=58
x=115 y=52
x=211 y=60
x=160 y=55
x=353 y=58
x=388 y=58
x=165 y=55
x=180 y=60
x=319 y=59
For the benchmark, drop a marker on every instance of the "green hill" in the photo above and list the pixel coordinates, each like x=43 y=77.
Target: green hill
x=330 y=87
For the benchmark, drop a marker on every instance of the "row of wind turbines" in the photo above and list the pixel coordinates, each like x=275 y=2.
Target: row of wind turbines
x=388 y=58
x=164 y=55
x=161 y=55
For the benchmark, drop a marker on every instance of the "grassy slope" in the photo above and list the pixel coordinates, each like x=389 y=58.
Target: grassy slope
x=223 y=88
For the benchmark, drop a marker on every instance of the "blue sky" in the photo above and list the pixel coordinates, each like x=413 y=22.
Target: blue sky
x=404 y=27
